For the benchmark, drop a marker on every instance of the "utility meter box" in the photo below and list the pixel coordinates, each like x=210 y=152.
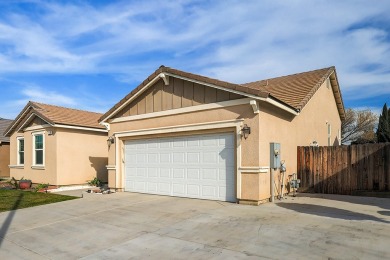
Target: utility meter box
x=275 y=155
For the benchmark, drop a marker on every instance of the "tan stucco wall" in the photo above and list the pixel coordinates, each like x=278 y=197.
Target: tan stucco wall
x=82 y=156
x=311 y=124
x=4 y=159
x=45 y=175
x=71 y=157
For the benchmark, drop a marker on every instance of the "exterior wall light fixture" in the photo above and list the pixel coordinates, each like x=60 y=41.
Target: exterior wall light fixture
x=110 y=140
x=245 y=131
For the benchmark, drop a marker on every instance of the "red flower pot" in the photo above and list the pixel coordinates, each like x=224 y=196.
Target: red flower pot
x=24 y=184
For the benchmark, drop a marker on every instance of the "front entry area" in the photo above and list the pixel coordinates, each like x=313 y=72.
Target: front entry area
x=196 y=166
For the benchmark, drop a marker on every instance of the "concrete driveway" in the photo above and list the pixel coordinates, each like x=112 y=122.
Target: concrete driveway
x=129 y=225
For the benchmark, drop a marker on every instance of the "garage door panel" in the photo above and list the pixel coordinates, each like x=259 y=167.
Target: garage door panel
x=199 y=166
x=141 y=158
x=210 y=174
x=153 y=173
x=193 y=157
x=193 y=142
x=209 y=191
x=165 y=158
x=193 y=190
x=153 y=158
x=210 y=157
x=178 y=157
x=152 y=187
x=165 y=173
x=164 y=188
x=193 y=174
x=178 y=173
x=179 y=189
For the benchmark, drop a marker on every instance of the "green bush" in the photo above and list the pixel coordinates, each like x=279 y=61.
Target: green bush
x=95 y=182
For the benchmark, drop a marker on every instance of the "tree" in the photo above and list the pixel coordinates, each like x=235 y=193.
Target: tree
x=383 y=132
x=358 y=126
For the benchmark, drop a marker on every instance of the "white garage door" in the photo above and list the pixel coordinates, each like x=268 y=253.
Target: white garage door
x=198 y=166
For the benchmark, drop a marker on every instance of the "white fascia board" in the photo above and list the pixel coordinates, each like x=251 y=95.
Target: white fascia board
x=181 y=128
x=215 y=86
x=281 y=106
x=184 y=110
x=29 y=120
x=21 y=116
x=161 y=75
x=81 y=128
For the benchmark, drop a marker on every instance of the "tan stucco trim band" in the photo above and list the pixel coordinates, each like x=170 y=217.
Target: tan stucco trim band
x=16 y=166
x=181 y=128
x=81 y=128
x=38 y=167
x=177 y=111
x=262 y=169
x=111 y=167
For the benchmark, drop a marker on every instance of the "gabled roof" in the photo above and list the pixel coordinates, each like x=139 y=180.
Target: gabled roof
x=293 y=91
x=4 y=124
x=56 y=115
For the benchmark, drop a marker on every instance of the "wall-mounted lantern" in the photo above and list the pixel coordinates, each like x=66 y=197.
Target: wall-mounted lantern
x=110 y=141
x=245 y=131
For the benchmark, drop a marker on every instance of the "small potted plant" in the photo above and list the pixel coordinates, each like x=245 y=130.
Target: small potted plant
x=24 y=184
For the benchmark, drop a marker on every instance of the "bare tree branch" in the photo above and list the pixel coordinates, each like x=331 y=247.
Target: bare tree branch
x=358 y=124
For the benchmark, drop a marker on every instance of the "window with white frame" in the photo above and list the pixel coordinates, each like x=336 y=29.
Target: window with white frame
x=38 y=149
x=20 y=156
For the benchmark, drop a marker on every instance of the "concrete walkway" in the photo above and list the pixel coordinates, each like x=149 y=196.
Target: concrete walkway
x=130 y=225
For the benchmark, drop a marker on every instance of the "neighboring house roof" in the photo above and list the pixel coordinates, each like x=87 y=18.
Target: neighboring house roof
x=56 y=116
x=292 y=90
x=4 y=124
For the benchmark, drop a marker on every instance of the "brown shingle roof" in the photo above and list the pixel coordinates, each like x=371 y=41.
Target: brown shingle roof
x=4 y=124
x=69 y=116
x=57 y=115
x=292 y=90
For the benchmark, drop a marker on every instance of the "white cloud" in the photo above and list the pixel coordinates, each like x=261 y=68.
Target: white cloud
x=229 y=40
x=51 y=97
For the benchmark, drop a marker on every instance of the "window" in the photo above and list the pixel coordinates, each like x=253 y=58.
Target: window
x=20 y=143
x=329 y=134
x=39 y=149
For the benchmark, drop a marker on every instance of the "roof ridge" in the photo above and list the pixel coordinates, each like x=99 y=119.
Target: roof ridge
x=76 y=109
x=289 y=75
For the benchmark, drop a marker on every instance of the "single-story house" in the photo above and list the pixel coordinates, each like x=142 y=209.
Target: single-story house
x=57 y=145
x=4 y=148
x=186 y=135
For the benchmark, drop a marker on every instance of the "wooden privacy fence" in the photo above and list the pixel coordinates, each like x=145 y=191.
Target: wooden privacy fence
x=344 y=169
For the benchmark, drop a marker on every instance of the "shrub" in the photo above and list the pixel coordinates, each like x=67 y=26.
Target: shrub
x=95 y=182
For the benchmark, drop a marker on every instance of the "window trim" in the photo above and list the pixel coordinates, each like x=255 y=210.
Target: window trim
x=34 y=164
x=18 y=138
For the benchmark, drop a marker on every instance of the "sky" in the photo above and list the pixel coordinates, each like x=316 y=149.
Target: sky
x=90 y=54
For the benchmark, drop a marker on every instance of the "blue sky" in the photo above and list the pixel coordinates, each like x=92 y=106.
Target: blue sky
x=90 y=54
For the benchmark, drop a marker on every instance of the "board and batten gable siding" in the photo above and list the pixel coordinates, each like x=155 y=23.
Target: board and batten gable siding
x=178 y=94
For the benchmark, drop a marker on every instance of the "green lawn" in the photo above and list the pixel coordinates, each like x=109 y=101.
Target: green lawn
x=17 y=199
